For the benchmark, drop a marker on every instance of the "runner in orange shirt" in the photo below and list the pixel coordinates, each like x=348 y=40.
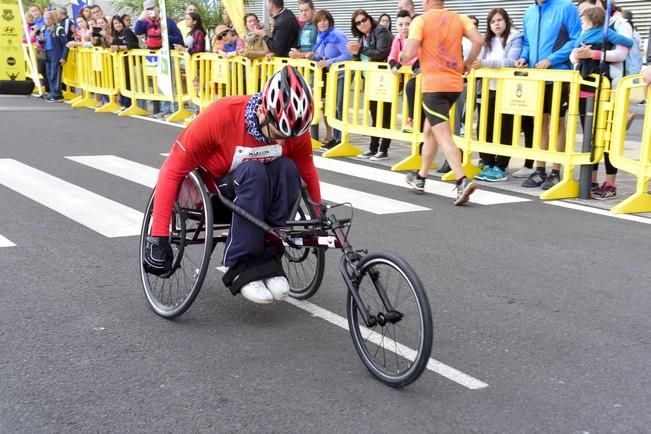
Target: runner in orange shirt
x=436 y=38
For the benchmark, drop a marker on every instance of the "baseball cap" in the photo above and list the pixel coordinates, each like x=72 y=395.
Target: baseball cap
x=148 y=4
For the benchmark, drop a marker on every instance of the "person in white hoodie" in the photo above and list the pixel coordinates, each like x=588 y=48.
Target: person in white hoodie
x=502 y=47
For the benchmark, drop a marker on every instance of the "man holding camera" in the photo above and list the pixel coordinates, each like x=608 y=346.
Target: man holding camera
x=149 y=25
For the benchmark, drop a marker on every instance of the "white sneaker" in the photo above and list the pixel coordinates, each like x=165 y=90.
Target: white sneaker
x=278 y=287
x=257 y=292
x=523 y=172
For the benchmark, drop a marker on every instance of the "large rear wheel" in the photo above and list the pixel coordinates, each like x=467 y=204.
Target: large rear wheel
x=191 y=227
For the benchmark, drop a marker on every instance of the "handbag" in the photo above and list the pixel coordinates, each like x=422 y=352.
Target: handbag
x=255 y=46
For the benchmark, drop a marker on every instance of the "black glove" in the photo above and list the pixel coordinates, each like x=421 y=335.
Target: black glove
x=158 y=256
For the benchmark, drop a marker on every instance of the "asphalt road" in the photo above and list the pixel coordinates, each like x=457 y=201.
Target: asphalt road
x=549 y=307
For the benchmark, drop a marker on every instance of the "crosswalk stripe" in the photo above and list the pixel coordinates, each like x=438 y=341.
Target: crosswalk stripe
x=127 y=169
x=4 y=242
x=96 y=212
x=439 y=188
x=147 y=176
x=368 y=202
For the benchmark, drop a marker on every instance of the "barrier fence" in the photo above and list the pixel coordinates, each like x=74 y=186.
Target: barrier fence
x=362 y=87
x=639 y=166
x=519 y=93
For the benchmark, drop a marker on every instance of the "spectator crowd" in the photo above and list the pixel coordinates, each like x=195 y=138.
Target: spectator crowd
x=572 y=38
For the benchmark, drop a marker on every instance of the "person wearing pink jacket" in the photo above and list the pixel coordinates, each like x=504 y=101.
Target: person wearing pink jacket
x=404 y=20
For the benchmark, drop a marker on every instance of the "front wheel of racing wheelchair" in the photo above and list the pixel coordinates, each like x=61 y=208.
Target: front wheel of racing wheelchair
x=192 y=241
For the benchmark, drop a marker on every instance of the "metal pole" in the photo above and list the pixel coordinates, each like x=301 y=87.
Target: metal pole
x=585 y=178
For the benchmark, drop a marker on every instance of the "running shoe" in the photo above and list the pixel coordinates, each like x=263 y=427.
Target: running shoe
x=605 y=192
x=496 y=175
x=536 y=179
x=380 y=156
x=484 y=173
x=464 y=190
x=553 y=179
x=523 y=172
x=416 y=183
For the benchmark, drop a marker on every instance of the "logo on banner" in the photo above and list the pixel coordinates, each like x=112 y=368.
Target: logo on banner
x=12 y=61
x=150 y=66
x=7 y=14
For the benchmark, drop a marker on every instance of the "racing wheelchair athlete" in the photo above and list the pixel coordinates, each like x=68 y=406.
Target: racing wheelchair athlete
x=258 y=151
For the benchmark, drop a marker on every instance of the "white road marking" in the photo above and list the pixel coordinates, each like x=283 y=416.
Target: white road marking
x=432 y=365
x=4 y=242
x=439 y=188
x=158 y=121
x=147 y=176
x=96 y=212
x=368 y=202
x=598 y=211
x=127 y=169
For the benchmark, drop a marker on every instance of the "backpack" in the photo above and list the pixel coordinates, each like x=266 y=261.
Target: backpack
x=153 y=36
x=633 y=62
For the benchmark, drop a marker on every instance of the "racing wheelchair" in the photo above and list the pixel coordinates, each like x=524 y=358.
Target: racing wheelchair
x=389 y=315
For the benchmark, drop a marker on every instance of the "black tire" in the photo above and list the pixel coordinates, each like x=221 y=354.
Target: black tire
x=191 y=240
x=304 y=267
x=392 y=352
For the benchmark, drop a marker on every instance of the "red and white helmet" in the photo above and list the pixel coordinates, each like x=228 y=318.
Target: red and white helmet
x=287 y=102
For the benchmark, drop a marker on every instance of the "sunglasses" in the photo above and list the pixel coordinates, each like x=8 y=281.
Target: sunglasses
x=221 y=36
x=362 y=21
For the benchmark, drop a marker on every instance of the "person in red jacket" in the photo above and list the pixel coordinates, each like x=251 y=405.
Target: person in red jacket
x=258 y=148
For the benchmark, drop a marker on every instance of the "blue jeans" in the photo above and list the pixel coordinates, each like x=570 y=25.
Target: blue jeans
x=53 y=71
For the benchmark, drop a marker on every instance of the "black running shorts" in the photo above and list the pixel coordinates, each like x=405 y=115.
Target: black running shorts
x=436 y=106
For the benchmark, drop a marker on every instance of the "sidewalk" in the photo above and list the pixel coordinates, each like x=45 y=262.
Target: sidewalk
x=626 y=183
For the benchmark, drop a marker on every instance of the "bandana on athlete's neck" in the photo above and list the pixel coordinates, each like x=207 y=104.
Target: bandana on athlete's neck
x=251 y=119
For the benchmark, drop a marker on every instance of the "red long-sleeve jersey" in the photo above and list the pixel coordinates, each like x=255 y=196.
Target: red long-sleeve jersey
x=218 y=142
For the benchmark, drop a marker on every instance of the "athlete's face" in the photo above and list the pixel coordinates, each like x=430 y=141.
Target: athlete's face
x=269 y=130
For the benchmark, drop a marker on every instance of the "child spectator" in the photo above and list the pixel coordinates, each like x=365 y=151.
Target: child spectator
x=226 y=41
x=404 y=20
x=592 y=21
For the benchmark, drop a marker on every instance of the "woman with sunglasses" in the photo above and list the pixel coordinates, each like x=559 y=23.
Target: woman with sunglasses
x=257 y=149
x=373 y=45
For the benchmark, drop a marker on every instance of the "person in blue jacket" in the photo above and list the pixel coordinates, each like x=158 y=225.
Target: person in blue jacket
x=150 y=17
x=593 y=35
x=56 y=52
x=551 y=29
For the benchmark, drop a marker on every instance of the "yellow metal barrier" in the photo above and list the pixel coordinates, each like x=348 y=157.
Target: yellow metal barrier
x=70 y=76
x=521 y=93
x=139 y=68
x=214 y=76
x=262 y=69
x=366 y=82
x=96 y=69
x=640 y=167
x=314 y=76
